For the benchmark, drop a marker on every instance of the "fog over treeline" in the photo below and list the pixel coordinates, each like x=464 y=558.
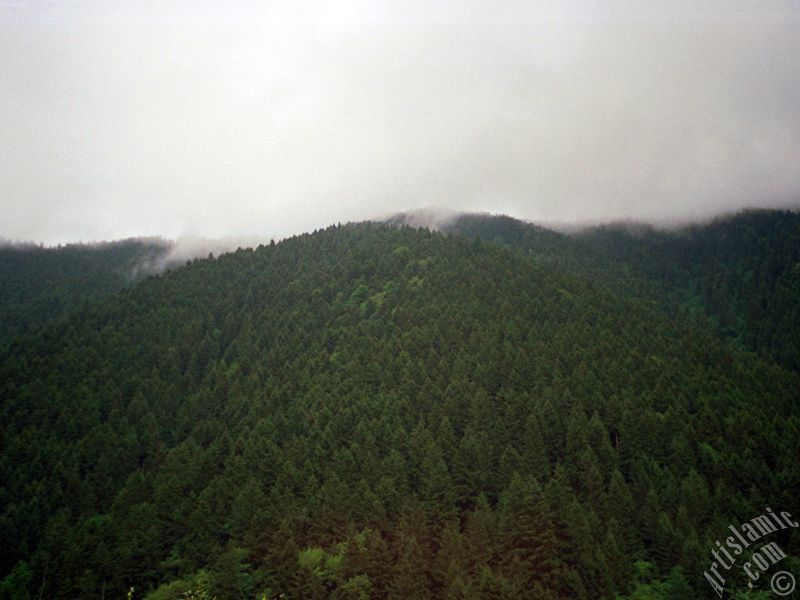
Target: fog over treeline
x=262 y=120
x=170 y=253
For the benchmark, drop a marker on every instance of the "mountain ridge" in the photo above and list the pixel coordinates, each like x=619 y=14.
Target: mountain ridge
x=350 y=411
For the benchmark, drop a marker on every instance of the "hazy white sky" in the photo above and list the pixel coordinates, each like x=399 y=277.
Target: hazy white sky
x=270 y=118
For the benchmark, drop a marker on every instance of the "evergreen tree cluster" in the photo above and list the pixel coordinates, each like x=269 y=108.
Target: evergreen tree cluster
x=39 y=284
x=741 y=272
x=371 y=411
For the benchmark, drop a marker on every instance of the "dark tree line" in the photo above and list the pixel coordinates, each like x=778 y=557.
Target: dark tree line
x=379 y=412
x=39 y=284
x=741 y=272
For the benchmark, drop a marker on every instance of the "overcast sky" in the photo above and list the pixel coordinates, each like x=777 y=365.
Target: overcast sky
x=270 y=118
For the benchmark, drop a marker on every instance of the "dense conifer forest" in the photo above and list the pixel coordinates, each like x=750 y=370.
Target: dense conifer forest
x=495 y=410
x=742 y=272
x=42 y=284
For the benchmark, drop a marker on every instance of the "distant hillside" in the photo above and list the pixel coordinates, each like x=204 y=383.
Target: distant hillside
x=40 y=284
x=384 y=412
x=742 y=271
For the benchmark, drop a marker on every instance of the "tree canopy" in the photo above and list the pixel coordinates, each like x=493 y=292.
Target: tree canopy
x=372 y=411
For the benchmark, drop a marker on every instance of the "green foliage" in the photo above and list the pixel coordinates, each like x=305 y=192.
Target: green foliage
x=44 y=284
x=321 y=563
x=370 y=411
x=197 y=587
x=741 y=272
x=174 y=590
x=16 y=585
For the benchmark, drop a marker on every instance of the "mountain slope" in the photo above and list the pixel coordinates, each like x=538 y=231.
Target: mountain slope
x=741 y=271
x=380 y=411
x=41 y=284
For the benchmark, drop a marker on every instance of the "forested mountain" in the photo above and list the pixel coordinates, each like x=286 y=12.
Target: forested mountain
x=382 y=412
x=741 y=271
x=38 y=284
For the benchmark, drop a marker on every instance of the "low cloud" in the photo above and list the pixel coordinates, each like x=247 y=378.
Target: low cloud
x=268 y=119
